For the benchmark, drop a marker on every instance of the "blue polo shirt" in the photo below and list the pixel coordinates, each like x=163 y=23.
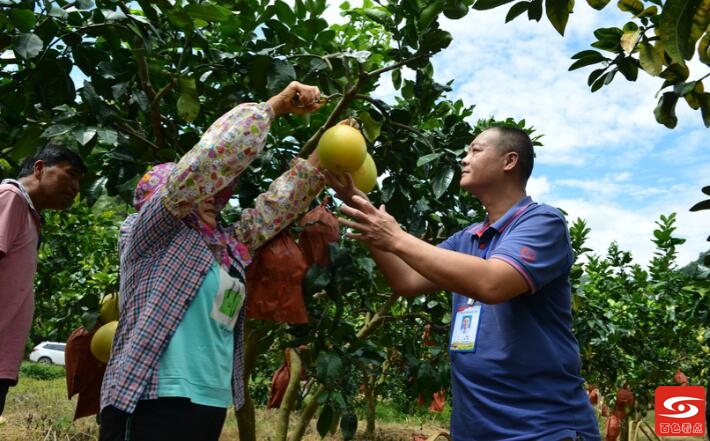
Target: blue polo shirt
x=522 y=381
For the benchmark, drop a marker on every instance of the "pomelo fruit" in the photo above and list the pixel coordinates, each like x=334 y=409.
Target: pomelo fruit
x=341 y=148
x=365 y=177
x=102 y=341
x=109 y=308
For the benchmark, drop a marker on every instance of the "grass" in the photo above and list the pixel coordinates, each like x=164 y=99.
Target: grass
x=39 y=410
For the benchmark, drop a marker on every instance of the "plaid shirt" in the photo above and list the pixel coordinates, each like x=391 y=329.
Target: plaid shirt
x=163 y=262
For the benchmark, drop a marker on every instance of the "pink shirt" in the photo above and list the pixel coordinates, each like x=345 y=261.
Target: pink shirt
x=19 y=237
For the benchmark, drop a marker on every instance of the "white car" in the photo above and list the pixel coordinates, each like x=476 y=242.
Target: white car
x=48 y=352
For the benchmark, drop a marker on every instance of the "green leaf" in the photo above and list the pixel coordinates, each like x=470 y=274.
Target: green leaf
x=378 y=15
x=28 y=142
x=22 y=19
x=428 y=158
x=85 y=136
x=636 y=7
x=704 y=49
x=188 y=107
x=628 y=66
x=593 y=58
x=704 y=102
x=119 y=89
x=665 y=110
x=329 y=368
x=325 y=420
x=370 y=127
x=28 y=45
x=535 y=10
x=188 y=86
x=702 y=205
x=629 y=39
x=612 y=33
x=601 y=80
x=180 y=19
x=280 y=74
x=108 y=136
x=94 y=191
x=489 y=4
x=285 y=13
x=587 y=53
x=208 y=12
x=316 y=279
x=397 y=79
x=442 y=180
x=430 y=13
x=435 y=41
x=650 y=58
x=455 y=9
x=56 y=130
x=516 y=10
x=348 y=425
x=558 y=13
x=701 y=21
x=598 y=4
x=674 y=28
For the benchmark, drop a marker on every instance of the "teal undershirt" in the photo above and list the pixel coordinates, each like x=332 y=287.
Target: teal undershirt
x=197 y=363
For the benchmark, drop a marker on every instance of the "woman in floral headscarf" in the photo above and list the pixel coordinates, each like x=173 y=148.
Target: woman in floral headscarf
x=177 y=358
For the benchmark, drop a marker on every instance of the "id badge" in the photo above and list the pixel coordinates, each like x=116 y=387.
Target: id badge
x=465 y=331
x=228 y=301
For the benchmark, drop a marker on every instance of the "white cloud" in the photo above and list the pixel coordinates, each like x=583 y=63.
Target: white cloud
x=605 y=159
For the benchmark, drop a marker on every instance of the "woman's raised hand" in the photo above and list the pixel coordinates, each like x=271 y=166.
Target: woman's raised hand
x=296 y=98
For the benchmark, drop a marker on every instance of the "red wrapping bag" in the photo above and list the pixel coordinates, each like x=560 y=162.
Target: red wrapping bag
x=274 y=282
x=84 y=372
x=320 y=228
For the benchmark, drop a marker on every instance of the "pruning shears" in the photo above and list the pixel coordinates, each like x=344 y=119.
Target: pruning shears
x=324 y=99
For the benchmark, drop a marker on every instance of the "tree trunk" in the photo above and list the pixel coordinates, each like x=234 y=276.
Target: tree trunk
x=371 y=407
x=246 y=419
x=246 y=416
x=307 y=415
x=293 y=360
x=370 y=326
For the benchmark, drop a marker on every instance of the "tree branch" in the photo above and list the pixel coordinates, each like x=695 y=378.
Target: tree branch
x=378 y=72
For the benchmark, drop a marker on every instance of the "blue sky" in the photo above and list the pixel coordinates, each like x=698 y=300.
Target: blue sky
x=605 y=159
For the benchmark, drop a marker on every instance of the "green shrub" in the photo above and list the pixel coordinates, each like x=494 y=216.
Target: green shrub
x=41 y=371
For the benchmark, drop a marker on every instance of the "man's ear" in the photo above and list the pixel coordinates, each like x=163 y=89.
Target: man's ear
x=37 y=168
x=511 y=159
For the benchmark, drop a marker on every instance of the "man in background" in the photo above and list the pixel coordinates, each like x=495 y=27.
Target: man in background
x=48 y=180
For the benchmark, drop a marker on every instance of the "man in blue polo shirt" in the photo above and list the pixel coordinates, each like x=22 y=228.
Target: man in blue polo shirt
x=517 y=377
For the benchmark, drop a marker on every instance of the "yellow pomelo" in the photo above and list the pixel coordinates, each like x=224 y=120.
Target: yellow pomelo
x=102 y=341
x=365 y=177
x=109 y=308
x=342 y=148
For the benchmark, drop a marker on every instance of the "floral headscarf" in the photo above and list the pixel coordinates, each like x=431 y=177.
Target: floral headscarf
x=151 y=182
x=228 y=251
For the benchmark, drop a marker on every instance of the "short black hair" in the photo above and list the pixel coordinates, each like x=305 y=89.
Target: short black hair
x=515 y=139
x=52 y=154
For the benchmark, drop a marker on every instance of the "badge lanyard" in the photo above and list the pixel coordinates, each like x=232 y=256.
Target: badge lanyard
x=467 y=319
